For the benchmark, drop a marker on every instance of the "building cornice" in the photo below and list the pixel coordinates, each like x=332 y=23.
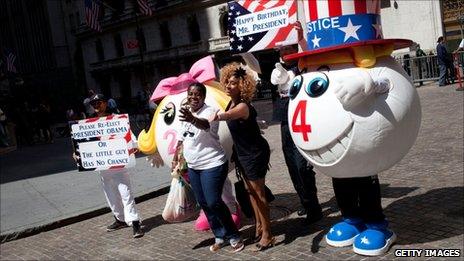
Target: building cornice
x=128 y=17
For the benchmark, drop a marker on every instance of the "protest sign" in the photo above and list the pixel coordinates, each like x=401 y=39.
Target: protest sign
x=255 y=25
x=103 y=143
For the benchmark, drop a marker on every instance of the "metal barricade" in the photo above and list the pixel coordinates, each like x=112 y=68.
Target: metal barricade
x=425 y=68
x=458 y=62
x=421 y=69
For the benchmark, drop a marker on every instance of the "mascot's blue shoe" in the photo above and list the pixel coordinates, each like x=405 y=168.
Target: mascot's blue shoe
x=375 y=240
x=344 y=233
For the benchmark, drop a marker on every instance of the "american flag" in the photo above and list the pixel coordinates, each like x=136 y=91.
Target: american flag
x=92 y=14
x=10 y=58
x=263 y=40
x=144 y=7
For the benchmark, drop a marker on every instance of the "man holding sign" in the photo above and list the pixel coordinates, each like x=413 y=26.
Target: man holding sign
x=105 y=144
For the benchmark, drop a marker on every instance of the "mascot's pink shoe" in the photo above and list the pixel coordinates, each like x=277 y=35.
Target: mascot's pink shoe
x=201 y=224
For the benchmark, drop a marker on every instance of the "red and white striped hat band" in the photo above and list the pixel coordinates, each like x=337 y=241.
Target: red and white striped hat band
x=318 y=9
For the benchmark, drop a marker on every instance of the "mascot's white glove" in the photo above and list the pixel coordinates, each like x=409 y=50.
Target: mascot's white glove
x=282 y=78
x=352 y=90
x=279 y=75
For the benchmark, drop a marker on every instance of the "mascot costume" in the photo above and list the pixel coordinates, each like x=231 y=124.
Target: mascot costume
x=161 y=138
x=354 y=112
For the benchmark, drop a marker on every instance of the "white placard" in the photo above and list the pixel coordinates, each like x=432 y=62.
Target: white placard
x=104 y=154
x=262 y=21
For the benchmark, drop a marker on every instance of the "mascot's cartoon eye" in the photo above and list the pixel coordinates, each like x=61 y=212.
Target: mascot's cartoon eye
x=317 y=86
x=296 y=86
x=169 y=113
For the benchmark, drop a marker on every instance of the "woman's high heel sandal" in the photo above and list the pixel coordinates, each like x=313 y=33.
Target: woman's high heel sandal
x=255 y=239
x=259 y=247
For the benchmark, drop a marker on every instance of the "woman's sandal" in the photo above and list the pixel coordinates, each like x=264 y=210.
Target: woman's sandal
x=259 y=247
x=255 y=239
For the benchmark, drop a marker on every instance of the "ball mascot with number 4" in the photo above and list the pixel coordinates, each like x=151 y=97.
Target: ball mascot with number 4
x=354 y=113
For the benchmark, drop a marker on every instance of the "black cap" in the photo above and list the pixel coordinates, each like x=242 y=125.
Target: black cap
x=97 y=97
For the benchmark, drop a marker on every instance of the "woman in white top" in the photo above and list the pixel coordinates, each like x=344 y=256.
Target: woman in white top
x=207 y=166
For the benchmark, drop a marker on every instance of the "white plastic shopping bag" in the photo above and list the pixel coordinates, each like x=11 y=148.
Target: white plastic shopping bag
x=181 y=204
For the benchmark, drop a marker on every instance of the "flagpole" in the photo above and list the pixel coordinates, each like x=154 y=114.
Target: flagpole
x=140 y=48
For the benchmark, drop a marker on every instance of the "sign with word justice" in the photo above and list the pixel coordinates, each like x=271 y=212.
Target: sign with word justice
x=259 y=25
x=103 y=143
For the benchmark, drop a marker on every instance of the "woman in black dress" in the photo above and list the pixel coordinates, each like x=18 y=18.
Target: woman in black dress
x=251 y=148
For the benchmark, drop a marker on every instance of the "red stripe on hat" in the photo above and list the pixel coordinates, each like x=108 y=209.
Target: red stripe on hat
x=360 y=6
x=335 y=8
x=312 y=5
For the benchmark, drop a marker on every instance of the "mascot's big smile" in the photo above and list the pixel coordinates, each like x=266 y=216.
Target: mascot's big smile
x=333 y=152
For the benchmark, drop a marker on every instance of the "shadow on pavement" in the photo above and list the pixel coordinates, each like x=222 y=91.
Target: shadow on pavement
x=295 y=228
x=39 y=160
x=434 y=215
x=153 y=222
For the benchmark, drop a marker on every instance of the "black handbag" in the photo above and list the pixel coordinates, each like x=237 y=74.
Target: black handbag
x=243 y=199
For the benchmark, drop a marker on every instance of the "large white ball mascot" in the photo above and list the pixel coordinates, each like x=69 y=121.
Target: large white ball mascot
x=354 y=112
x=161 y=138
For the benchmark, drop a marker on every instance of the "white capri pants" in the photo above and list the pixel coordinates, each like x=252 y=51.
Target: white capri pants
x=117 y=188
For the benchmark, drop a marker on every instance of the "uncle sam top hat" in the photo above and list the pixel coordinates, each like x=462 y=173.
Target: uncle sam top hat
x=339 y=24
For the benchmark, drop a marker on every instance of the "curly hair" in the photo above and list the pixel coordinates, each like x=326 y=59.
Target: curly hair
x=247 y=85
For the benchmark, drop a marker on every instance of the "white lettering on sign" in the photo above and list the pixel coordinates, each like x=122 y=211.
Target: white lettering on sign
x=269 y=19
x=104 y=154
x=323 y=24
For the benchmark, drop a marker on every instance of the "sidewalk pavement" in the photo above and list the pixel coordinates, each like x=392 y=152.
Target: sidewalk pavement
x=423 y=198
x=41 y=188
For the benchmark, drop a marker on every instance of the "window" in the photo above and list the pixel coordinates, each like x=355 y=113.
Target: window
x=118 y=45
x=118 y=6
x=165 y=35
x=78 y=19
x=100 y=51
x=160 y=3
x=141 y=39
x=193 y=28
x=385 y=4
x=223 y=23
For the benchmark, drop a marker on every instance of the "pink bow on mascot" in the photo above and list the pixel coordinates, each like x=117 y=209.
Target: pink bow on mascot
x=161 y=139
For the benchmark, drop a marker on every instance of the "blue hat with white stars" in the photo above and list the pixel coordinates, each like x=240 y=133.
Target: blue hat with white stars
x=339 y=24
